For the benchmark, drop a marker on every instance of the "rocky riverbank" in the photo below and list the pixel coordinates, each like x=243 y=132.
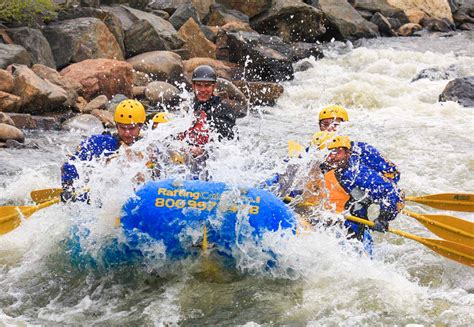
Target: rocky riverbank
x=92 y=54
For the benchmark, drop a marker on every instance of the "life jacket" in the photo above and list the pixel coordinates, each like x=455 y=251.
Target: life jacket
x=328 y=191
x=198 y=133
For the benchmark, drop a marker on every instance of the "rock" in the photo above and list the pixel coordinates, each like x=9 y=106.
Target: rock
x=14 y=144
x=344 y=22
x=182 y=14
x=384 y=7
x=81 y=103
x=87 y=124
x=460 y=90
x=219 y=15
x=37 y=95
x=6 y=81
x=170 y=6
x=303 y=66
x=35 y=43
x=436 y=74
x=265 y=58
x=210 y=32
x=162 y=93
x=138 y=91
x=437 y=25
x=9 y=132
x=250 y=8
x=24 y=121
x=260 y=93
x=433 y=8
x=464 y=15
x=223 y=69
x=79 y=39
x=116 y=99
x=106 y=117
x=69 y=85
x=236 y=26
x=302 y=50
x=291 y=21
x=202 y=6
x=409 y=29
x=467 y=26
x=141 y=78
x=5 y=119
x=415 y=15
x=101 y=76
x=145 y=32
x=9 y=102
x=385 y=28
x=99 y=102
x=109 y=18
x=161 y=13
x=395 y=23
x=196 y=41
x=13 y=54
x=160 y=65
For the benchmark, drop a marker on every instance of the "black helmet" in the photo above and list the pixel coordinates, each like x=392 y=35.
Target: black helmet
x=204 y=73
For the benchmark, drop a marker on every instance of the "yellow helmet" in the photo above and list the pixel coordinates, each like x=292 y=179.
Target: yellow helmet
x=161 y=117
x=339 y=141
x=129 y=112
x=334 y=112
x=320 y=139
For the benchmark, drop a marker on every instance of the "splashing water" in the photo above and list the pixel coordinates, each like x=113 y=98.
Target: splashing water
x=318 y=280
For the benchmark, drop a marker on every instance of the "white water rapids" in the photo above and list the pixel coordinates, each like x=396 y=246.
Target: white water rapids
x=318 y=282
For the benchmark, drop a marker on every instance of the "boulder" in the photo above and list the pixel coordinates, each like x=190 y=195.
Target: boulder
x=409 y=29
x=86 y=124
x=384 y=26
x=292 y=21
x=80 y=39
x=236 y=26
x=182 y=14
x=109 y=18
x=220 y=15
x=260 y=93
x=436 y=74
x=6 y=81
x=26 y=121
x=160 y=13
x=383 y=7
x=138 y=91
x=13 y=54
x=101 y=76
x=464 y=15
x=433 y=8
x=160 y=65
x=203 y=6
x=460 y=90
x=9 y=132
x=145 y=32
x=265 y=58
x=106 y=117
x=5 y=119
x=69 y=85
x=415 y=15
x=35 y=43
x=467 y=26
x=99 y=102
x=437 y=25
x=141 y=78
x=9 y=102
x=302 y=50
x=162 y=93
x=235 y=98
x=170 y=6
x=37 y=95
x=223 y=69
x=344 y=22
x=249 y=7
x=196 y=42
x=303 y=66
x=116 y=99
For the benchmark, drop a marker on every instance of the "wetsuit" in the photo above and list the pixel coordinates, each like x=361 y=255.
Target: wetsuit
x=353 y=189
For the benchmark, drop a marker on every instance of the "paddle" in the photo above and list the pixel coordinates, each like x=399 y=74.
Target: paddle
x=446 y=201
x=10 y=216
x=447 y=227
x=294 y=149
x=454 y=251
x=40 y=196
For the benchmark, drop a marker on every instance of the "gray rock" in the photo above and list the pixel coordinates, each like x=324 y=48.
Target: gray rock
x=383 y=7
x=182 y=14
x=250 y=8
x=170 y=6
x=436 y=74
x=220 y=15
x=13 y=54
x=303 y=66
x=116 y=99
x=460 y=90
x=35 y=43
x=162 y=94
x=86 y=124
x=385 y=28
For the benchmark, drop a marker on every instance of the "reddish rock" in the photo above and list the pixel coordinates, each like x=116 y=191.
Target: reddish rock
x=223 y=69
x=101 y=76
x=9 y=102
x=196 y=41
x=6 y=81
x=260 y=93
x=5 y=119
x=161 y=65
x=409 y=29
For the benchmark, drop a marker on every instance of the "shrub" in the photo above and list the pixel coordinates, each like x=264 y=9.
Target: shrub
x=26 y=11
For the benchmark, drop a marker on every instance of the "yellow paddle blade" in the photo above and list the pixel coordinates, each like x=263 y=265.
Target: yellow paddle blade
x=44 y=195
x=447 y=227
x=446 y=201
x=454 y=251
x=294 y=149
x=10 y=216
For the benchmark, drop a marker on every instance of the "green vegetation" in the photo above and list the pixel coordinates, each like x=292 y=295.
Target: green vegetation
x=27 y=11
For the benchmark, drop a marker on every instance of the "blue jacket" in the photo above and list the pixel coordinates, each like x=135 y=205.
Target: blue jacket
x=368 y=156
x=93 y=147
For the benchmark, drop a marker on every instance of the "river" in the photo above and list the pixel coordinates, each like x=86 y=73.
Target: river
x=318 y=282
